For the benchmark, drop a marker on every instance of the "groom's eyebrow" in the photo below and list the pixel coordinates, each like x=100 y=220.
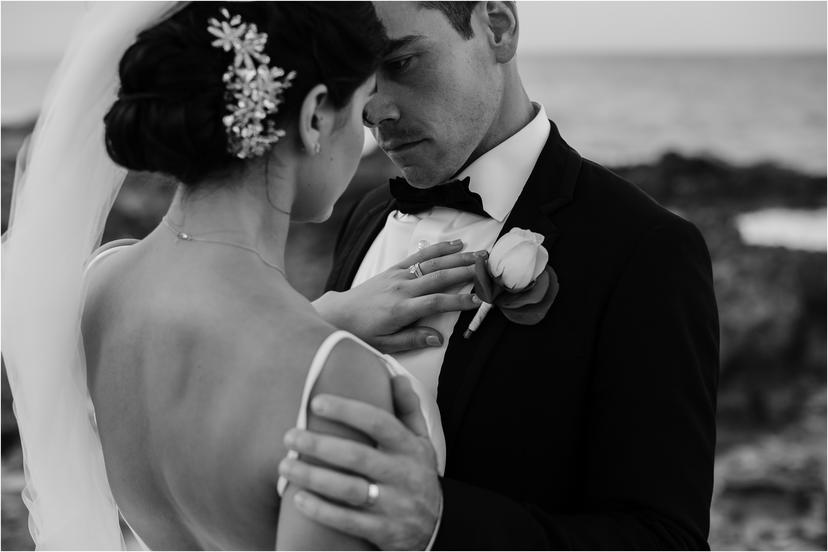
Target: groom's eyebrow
x=399 y=43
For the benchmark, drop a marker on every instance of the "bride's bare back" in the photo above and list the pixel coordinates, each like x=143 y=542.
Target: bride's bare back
x=196 y=371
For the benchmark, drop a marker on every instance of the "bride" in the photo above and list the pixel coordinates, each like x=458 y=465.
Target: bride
x=196 y=353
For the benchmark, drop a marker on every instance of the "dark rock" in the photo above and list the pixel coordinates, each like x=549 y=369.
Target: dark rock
x=676 y=179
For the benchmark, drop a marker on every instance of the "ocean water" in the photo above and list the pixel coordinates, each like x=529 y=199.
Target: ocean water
x=748 y=108
x=792 y=228
x=619 y=109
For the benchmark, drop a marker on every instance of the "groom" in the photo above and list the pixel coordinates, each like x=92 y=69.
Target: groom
x=593 y=429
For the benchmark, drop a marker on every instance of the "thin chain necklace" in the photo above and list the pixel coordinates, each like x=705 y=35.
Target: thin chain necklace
x=181 y=235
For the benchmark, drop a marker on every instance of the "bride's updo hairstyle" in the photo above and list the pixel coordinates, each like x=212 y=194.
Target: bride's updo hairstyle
x=168 y=116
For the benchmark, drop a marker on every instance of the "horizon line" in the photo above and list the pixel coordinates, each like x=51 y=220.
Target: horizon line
x=642 y=52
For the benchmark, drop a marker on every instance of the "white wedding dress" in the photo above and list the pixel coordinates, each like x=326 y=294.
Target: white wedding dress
x=64 y=187
x=428 y=404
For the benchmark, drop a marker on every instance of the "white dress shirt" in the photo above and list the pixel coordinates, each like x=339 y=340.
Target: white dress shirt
x=498 y=176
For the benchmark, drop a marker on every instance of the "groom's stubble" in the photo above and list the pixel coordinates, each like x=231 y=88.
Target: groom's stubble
x=438 y=94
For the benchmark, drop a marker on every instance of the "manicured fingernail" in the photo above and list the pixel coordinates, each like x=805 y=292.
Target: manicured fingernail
x=475 y=299
x=319 y=405
x=433 y=341
x=456 y=242
x=482 y=254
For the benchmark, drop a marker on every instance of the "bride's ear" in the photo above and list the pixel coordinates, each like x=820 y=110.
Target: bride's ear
x=316 y=119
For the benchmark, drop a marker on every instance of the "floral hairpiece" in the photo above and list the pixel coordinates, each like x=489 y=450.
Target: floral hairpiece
x=254 y=89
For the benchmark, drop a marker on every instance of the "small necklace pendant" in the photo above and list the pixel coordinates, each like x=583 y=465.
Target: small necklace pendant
x=184 y=236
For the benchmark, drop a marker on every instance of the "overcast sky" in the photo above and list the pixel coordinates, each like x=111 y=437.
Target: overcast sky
x=41 y=29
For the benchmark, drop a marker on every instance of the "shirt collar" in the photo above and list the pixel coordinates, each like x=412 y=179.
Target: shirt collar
x=499 y=175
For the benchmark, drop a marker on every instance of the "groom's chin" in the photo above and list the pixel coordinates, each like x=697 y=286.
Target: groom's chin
x=420 y=177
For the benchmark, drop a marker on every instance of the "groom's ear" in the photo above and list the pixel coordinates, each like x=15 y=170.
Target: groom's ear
x=316 y=118
x=502 y=29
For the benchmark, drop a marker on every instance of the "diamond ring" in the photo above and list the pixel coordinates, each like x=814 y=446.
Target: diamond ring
x=416 y=270
x=372 y=496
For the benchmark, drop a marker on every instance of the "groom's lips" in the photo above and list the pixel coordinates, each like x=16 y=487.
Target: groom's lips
x=395 y=148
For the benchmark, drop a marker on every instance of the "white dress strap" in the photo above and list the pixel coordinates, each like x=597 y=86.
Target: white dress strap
x=106 y=250
x=427 y=404
x=317 y=364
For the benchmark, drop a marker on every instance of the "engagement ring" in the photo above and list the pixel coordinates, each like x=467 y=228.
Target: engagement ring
x=373 y=495
x=416 y=270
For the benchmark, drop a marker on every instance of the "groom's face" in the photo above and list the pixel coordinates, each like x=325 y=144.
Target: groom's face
x=437 y=94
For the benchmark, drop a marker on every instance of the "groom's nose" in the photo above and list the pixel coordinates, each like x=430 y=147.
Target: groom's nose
x=379 y=110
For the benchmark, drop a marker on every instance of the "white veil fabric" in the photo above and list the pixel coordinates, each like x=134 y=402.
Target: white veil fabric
x=61 y=199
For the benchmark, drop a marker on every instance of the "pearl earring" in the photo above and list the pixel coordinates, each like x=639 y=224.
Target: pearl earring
x=316 y=148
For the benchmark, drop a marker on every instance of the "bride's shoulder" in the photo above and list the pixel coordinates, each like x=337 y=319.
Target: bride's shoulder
x=326 y=360
x=103 y=277
x=304 y=345
x=345 y=367
x=350 y=368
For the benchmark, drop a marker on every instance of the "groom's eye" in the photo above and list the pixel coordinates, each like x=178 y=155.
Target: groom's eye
x=398 y=65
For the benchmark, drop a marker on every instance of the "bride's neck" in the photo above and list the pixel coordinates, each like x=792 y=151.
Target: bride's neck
x=248 y=214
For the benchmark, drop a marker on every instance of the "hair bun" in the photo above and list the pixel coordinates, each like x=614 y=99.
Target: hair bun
x=181 y=138
x=168 y=117
x=165 y=119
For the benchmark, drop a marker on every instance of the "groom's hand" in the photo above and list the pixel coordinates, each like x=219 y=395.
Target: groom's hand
x=381 y=310
x=403 y=467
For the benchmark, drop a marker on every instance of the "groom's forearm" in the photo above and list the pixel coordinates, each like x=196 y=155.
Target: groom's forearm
x=478 y=519
x=474 y=518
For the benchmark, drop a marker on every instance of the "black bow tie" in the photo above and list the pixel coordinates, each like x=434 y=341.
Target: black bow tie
x=454 y=194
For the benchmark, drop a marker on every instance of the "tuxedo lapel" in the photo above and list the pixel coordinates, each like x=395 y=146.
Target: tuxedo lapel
x=550 y=187
x=369 y=224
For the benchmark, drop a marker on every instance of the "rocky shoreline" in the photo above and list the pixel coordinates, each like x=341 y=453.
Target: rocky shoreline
x=770 y=472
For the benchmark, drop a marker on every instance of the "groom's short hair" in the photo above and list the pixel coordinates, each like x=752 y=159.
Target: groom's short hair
x=458 y=14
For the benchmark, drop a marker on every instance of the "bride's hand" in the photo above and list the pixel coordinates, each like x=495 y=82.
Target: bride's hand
x=382 y=309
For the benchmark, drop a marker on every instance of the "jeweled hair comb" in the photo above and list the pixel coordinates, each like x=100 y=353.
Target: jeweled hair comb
x=254 y=89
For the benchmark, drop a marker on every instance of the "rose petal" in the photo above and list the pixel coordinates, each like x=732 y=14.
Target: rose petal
x=530 y=296
x=517 y=259
x=527 y=235
x=520 y=266
x=541 y=259
x=530 y=315
x=503 y=245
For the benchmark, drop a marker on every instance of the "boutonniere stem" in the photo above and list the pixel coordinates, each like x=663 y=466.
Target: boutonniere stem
x=481 y=313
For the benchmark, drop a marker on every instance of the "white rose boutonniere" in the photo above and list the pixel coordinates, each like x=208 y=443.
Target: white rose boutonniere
x=517 y=259
x=517 y=265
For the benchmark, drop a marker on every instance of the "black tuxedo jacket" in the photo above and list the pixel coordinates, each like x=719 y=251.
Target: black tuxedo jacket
x=594 y=429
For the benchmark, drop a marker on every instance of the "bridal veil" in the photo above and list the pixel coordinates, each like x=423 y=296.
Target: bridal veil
x=62 y=196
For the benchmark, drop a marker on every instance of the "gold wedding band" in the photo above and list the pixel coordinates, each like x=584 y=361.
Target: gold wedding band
x=416 y=270
x=373 y=495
